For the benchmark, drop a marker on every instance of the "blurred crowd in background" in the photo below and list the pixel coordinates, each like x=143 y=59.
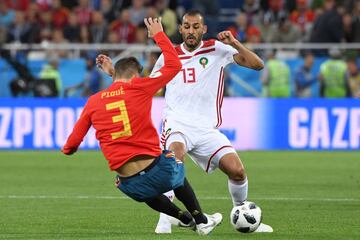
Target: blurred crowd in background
x=250 y=21
x=121 y=21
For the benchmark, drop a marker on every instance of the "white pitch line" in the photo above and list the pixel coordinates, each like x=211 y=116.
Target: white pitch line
x=310 y=199
x=201 y=198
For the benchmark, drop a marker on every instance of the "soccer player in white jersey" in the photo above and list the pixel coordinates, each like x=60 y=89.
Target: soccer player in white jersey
x=193 y=106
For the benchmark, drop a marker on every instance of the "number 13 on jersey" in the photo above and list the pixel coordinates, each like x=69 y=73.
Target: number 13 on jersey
x=188 y=75
x=122 y=117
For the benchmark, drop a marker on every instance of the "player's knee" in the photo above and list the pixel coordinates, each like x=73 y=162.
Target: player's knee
x=238 y=174
x=178 y=149
x=180 y=156
x=232 y=166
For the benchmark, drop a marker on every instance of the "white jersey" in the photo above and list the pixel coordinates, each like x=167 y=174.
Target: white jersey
x=195 y=94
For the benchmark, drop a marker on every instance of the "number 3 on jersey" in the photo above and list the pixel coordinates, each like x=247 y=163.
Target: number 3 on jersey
x=123 y=117
x=188 y=75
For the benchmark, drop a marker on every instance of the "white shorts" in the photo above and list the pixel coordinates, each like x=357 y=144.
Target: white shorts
x=206 y=146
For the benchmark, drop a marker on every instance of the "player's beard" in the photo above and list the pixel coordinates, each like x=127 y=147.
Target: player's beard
x=191 y=41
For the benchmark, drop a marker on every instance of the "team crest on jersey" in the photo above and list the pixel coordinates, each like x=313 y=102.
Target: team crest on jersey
x=168 y=131
x=203 y=61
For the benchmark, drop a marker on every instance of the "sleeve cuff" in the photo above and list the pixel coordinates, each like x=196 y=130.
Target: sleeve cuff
x=159 y=35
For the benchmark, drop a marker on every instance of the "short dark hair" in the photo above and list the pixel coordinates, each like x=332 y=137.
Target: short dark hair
x=127 y=67
x=194 y=12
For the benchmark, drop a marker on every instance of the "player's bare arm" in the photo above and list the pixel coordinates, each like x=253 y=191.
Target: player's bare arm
x=245 y=57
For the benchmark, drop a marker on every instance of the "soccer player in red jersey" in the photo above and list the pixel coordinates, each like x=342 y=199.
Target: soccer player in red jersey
x=129 y=141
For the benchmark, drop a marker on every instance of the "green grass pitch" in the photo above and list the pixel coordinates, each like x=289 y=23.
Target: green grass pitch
x=303 y=195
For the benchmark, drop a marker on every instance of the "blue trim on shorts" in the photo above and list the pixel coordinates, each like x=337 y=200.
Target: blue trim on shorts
x=163 y=175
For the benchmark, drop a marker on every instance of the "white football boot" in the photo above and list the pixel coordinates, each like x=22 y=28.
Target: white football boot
x=213 y=221
x=264 y=228
x=178 y=223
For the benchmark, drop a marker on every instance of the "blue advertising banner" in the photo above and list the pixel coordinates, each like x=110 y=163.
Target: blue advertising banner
x=39 y=123
x=314 y=124
x=249 y=123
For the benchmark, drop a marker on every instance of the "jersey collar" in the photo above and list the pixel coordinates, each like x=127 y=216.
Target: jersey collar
x=191 y=53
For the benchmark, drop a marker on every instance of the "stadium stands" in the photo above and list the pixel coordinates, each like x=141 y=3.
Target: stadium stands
x=68 y=28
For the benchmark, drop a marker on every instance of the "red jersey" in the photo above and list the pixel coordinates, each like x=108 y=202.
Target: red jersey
x=121 y=114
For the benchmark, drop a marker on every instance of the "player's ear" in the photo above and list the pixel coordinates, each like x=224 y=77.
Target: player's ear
x=205 y=29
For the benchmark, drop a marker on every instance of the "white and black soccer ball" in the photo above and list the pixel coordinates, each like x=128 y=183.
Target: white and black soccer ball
x=246 y=217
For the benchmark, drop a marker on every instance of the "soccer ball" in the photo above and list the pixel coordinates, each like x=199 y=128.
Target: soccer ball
x=246 y=217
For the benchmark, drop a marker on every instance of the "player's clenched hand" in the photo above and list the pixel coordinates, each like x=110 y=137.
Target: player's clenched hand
x=153 y=26
x=226 y=37
x=104 y=63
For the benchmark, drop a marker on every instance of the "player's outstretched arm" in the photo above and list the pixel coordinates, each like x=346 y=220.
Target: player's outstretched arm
x=245 y=57
x=104 y=62
x=68 y=151
x=172 y=64
x=76 y=137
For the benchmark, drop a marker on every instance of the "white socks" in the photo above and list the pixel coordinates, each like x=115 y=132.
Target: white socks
x=238 y=191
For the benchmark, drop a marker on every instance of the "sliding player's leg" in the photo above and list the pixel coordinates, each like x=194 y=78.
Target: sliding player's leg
x=204 y=223
x=187 y=196
x=162 y=204
x=176 y=143
x=150 y=183
x=165 y=221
